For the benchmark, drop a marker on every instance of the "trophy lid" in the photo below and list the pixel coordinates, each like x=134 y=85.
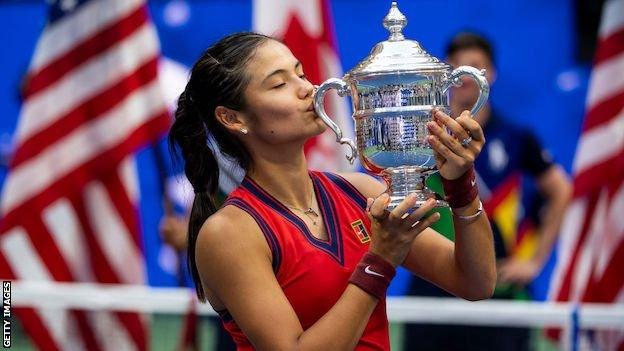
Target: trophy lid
x=397 y=54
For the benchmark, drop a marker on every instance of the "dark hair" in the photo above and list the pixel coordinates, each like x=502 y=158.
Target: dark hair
x=218 y=78
x=470 y=40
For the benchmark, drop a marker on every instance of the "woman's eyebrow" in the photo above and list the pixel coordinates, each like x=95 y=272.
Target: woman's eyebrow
x=280 y=71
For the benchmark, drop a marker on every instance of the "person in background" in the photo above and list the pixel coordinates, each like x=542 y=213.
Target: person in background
x=522 y=246
x=173 y=231
x=511 y=149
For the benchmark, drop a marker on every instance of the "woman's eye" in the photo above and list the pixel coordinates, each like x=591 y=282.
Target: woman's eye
x=279 y=86
x=303 y=76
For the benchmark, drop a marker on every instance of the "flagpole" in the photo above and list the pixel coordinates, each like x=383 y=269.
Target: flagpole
x=167 y=202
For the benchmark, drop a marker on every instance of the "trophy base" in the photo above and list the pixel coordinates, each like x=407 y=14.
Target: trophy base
x=403 y=181
x=421 y=198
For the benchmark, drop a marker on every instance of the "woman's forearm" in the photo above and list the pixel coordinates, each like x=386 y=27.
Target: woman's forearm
x=474 y=252
x=342 y=326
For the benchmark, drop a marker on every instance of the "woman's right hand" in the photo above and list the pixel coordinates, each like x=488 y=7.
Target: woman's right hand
x=394 y=231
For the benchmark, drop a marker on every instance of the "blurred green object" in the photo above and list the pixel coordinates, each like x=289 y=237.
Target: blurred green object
x=443 y=226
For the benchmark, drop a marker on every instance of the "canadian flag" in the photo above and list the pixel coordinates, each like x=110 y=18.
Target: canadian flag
x=307 y=28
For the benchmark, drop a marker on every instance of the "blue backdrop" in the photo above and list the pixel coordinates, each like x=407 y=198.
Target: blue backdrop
x=539 y=83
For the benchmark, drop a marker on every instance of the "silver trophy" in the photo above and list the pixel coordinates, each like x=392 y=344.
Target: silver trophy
x=393 y=92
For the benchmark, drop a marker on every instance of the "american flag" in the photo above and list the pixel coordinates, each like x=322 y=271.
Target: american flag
x=91 y=99
x=590 y=264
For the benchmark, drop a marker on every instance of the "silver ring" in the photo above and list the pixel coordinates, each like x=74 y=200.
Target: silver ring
x=466 y=141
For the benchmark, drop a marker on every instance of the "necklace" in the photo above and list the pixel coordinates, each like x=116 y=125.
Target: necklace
x=310 y=212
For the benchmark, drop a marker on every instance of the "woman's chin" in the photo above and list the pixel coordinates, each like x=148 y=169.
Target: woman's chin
x=321 y=127
x=320 y=123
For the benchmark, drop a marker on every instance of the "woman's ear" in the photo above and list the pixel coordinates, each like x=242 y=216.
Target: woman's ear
x=230 y=119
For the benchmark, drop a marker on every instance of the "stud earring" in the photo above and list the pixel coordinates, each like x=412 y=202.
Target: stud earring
x=244 y=131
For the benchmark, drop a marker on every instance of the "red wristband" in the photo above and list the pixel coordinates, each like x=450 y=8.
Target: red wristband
x=461 y=191
x=373 y=275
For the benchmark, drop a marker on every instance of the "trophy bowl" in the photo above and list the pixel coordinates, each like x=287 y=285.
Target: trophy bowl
x=393 y=92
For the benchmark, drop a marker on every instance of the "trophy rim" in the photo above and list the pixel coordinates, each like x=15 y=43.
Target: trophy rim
x=361 y=75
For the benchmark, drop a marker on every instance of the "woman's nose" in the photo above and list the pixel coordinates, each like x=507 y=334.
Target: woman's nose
x=307 y=89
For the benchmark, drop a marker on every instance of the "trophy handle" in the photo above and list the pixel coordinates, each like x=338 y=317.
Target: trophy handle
x=319 y=98
x=478 y=76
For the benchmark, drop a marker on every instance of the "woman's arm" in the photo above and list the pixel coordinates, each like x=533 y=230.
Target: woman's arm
x=465 y=268
x=455 y=267
x=456 y=144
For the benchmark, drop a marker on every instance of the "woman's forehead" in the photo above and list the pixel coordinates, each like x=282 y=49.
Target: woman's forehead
x=269 y=57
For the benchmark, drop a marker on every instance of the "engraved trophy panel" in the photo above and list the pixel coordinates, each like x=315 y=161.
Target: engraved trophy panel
x=391 y=113
x=393 y=93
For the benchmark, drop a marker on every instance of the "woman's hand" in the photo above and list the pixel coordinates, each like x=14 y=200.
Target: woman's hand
x=455 y=153
x=393 y=231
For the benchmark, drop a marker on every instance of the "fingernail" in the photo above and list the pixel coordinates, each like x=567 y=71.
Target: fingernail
x=430 y=139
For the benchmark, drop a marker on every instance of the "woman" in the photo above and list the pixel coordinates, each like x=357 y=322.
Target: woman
x=297 y=259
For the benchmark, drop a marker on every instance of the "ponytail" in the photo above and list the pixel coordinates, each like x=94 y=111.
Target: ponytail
x=218 y=78
x=201 y=169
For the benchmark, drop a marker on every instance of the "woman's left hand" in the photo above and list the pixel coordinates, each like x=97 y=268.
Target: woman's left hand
x=455 y=153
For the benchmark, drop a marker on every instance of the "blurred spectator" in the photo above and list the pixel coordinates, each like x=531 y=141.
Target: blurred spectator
x=522 y=245
x=173 y=231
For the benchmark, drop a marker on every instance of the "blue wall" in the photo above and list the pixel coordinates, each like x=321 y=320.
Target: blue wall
x=539 y=83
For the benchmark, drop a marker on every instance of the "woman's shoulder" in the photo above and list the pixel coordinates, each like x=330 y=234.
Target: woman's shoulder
x=364 y=183
x=227 y=241
x=229 y=224
x=223 y=217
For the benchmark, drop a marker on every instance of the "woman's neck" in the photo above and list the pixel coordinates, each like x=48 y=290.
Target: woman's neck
x=286 y=178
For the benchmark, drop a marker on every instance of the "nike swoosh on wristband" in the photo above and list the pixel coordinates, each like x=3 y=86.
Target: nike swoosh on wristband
x=473 y=182
x=367 y=270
